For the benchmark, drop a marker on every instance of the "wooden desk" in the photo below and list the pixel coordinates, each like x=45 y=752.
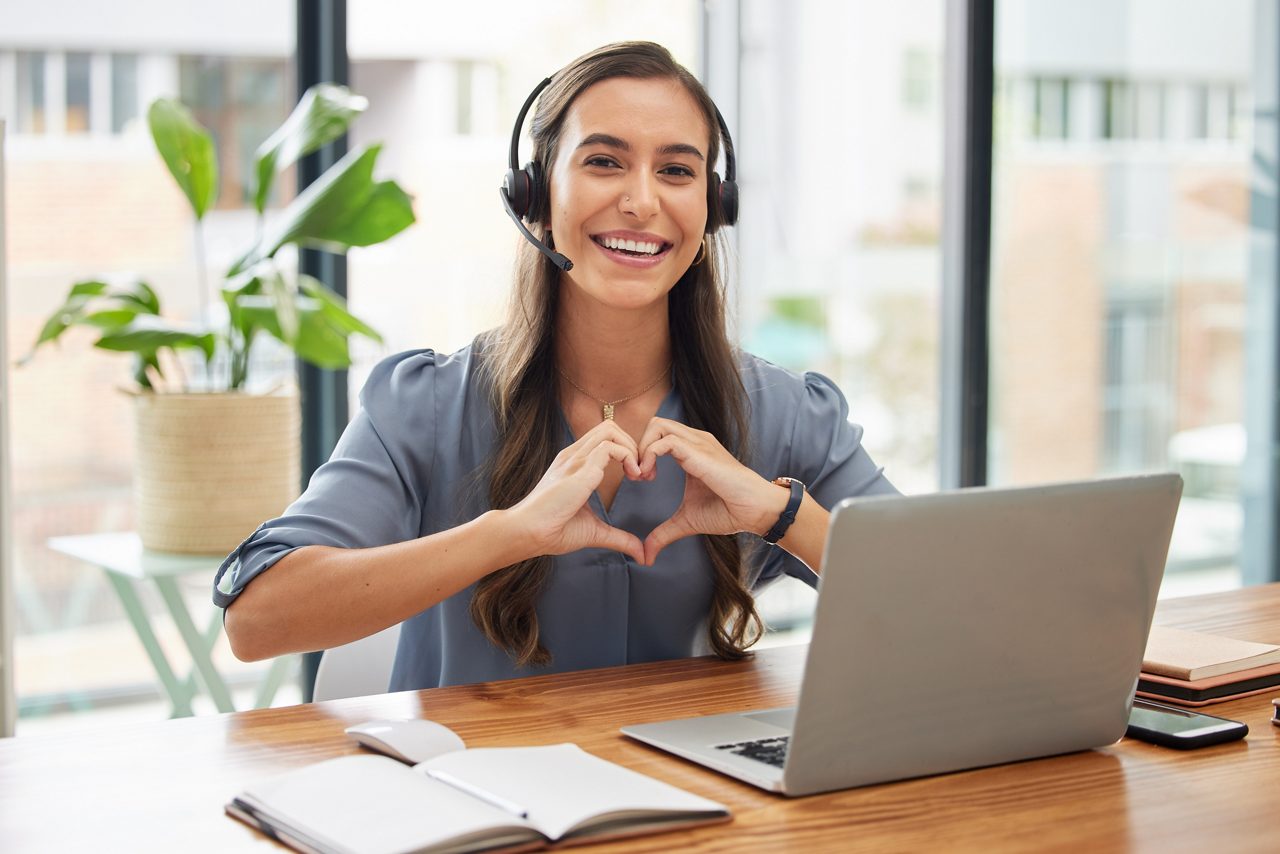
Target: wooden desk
x=161 y=786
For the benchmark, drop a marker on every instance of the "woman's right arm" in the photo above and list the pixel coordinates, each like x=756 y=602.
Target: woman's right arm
x=317 y=597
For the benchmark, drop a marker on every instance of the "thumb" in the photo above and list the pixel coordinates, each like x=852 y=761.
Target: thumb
x=608 y=537
x=675 y=528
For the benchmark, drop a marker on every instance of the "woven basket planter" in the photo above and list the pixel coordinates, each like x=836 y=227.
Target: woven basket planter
x=212 y=467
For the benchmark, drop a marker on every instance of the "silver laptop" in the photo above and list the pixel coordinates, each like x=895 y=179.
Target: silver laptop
x=958 y=630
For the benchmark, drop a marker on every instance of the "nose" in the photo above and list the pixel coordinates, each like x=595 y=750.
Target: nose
x=640 y=196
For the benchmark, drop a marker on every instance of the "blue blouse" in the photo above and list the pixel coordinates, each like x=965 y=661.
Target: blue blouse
x=407 y=466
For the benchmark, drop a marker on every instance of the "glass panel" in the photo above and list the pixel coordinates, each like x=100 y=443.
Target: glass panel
x=1120 y=257
x=103 y=208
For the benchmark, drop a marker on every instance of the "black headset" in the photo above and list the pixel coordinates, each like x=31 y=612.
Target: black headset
x=523 y=191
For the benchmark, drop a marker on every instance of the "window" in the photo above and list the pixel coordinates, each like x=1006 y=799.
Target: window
x=241 y=102
x=31 y=94
x=1213 y=111
x=1149 y=111
x=1051 y=108
x=1133 y=110
x=78 y=70
x=75 y=93
x=475 y=98
x=1136 y=388
x=124 y=91
x=1117 y=110
x=919 y=79
x=464 y=71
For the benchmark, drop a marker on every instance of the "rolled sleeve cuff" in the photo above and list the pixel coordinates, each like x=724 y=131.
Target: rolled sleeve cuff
x=238 y=569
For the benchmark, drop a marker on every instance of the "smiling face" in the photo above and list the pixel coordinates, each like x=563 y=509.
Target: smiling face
x=629 y=189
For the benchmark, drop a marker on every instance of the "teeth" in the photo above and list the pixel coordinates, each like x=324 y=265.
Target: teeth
x=640 y=246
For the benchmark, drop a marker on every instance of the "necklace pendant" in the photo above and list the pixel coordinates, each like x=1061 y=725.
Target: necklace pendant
x=607 y=411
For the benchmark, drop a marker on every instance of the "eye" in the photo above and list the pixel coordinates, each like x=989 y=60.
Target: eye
x=601 y=161
x=678 y=171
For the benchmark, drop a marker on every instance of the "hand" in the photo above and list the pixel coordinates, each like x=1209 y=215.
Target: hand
x=555 y=516
x=721 y=495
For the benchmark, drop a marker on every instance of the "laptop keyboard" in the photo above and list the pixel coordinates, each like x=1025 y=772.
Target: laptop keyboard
x=771 y=751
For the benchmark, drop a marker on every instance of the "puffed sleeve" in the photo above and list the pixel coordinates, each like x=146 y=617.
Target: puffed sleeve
x=825 y=452
x=371 y=490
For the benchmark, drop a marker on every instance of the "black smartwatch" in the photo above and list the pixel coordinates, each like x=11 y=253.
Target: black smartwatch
x=789 y=513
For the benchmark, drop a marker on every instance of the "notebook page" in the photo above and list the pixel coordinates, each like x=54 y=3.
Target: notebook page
x=378 y=805
x=565 y=788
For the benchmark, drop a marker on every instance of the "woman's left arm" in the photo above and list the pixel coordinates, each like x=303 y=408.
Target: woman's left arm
x=806 y=539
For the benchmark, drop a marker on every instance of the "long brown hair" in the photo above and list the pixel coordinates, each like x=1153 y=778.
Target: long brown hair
x=519 y=359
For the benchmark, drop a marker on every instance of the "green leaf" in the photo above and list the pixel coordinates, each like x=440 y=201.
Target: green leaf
x=51 y=331
x=91 y=288
x=148 y=335
x=110 y=318
x=187 y=149
x=321 y=116
x=141 y=295
x=335 y=308
x=67 y=315
x=286 y=308
x=318 y=341
x=344 y=207
x=75 y=309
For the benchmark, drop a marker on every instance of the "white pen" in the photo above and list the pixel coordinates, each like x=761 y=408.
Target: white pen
x=488 y=797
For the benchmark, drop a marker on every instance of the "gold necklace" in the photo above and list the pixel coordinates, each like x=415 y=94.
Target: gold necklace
x=606 y=406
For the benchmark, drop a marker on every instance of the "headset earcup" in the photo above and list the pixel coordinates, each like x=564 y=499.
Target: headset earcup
x=723 y=197
x=535 y=209
x=515 y=184
x=728 y=202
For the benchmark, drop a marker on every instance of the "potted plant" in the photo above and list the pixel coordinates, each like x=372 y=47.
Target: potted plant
x=214 y=461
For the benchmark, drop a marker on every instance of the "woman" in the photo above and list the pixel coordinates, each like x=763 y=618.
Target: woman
x=589 y=484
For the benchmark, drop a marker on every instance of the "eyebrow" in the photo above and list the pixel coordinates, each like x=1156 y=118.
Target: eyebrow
x=623 y=145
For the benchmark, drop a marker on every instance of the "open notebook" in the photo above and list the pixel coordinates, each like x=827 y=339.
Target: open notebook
x=465 y=800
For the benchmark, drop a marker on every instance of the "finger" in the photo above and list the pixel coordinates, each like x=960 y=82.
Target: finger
x=672 y=445
x=675 y=528
x=609 y=431
x=607 y=451
x=653 y=431
x=618 y=540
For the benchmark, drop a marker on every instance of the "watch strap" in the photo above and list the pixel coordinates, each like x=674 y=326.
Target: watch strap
x=789 y=512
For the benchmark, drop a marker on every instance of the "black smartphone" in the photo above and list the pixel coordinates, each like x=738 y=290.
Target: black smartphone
x=1173 y=727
